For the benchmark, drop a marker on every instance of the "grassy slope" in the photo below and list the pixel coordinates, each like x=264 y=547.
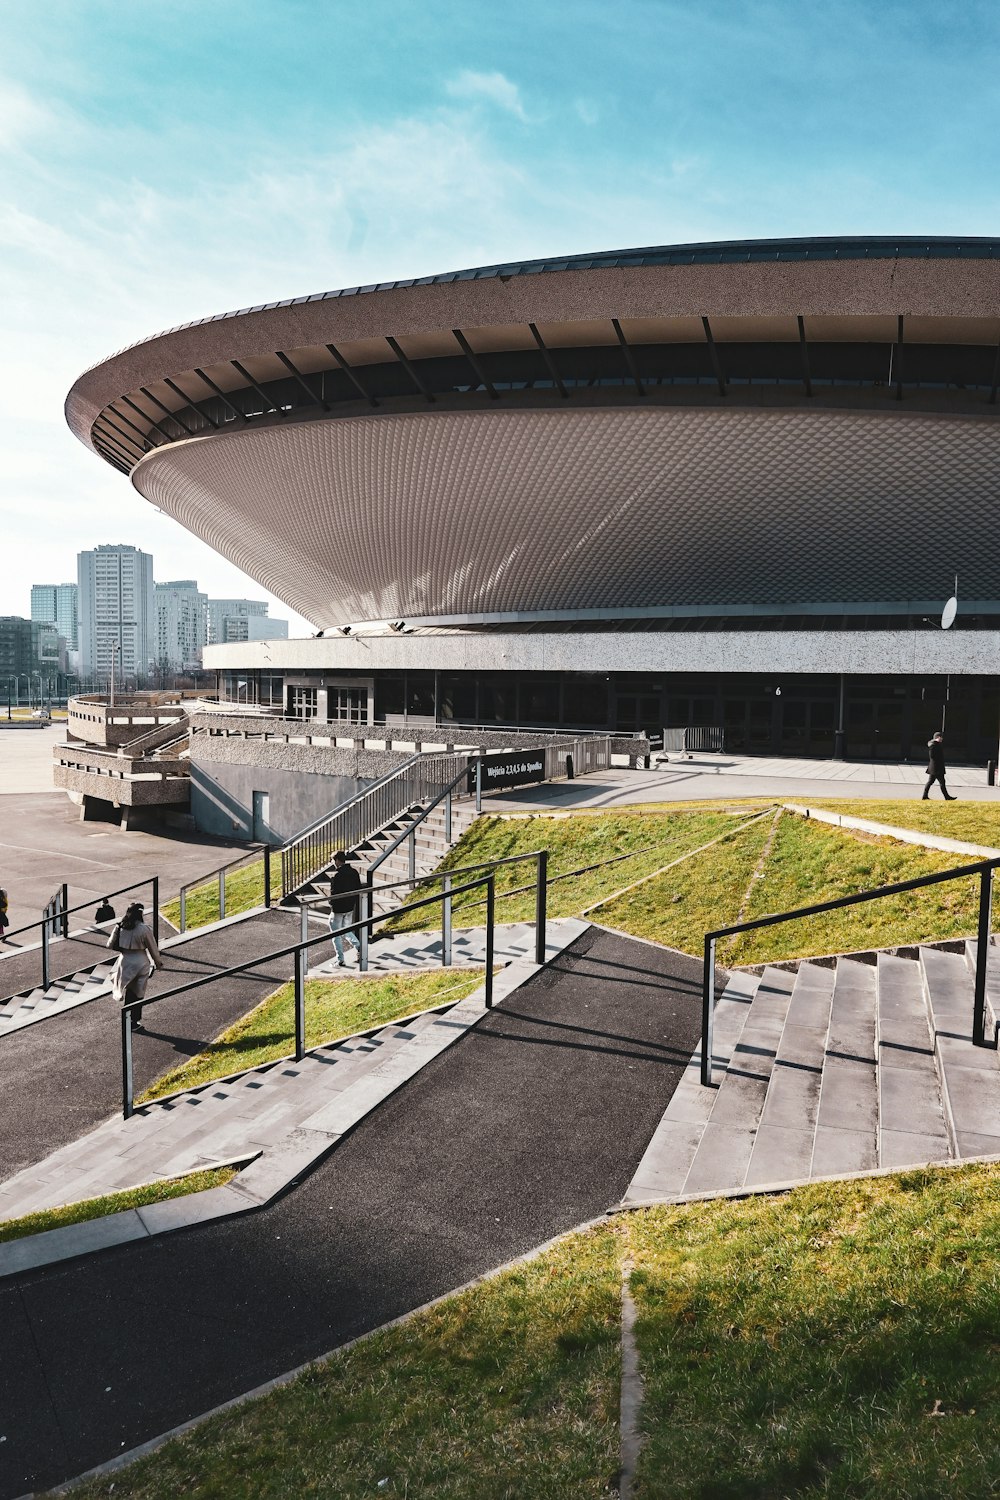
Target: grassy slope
x=807 y=863
x=244 y=890
x=114 y=1203
x=840 y=1342
x=654 y=838
x=334 y=1008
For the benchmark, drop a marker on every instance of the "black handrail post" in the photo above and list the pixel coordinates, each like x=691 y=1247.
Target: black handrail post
x=446 y=923
x=367 y=911
x=127 y=1088
x=65 y=910
x=982 y=953
x=45 y=950
x=541 y=900
x=447 y=817
x=156 y=907
x=413 y=853
x=267 y=877
x=707 y=1010
x=300 y=1006
x=490 y=912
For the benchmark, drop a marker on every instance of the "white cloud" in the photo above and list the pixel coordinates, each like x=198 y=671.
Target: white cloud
x=494 y=87
x=22 y=117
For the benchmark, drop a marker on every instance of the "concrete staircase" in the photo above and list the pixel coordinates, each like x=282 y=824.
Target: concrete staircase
x=822 y=1069
x=432 y=845
x=37 y=1004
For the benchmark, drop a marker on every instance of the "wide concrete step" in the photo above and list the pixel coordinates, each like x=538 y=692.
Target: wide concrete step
x=911 y=1122
x=244 y=1114
x=863 y=1065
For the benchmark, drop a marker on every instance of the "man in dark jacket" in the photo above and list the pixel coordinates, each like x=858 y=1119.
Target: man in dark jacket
x=344 y=886
x=935 y=765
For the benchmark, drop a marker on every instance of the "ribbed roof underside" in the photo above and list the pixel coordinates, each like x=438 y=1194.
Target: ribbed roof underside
x=473 y=513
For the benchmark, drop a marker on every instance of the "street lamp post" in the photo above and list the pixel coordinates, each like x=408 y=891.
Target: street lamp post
x=114 y=656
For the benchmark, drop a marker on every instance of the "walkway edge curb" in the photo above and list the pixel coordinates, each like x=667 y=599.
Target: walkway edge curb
x=772 y=1189
x=886 y=830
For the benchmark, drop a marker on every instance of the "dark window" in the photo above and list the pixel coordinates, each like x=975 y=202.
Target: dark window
x=388 y=696
x=585 y=700
x=539 y=698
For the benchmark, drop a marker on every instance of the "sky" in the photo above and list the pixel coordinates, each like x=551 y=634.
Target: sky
x=164 y=162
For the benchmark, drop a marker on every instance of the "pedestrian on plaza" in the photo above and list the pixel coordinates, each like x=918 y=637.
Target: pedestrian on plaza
x=135 y=945
x=344 y=886
x=4 y=919
x=935 y=766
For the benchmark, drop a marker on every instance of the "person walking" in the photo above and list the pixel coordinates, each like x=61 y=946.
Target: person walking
x=136 y=946
x=344 y=886
x=935 y=766
x=4 y=919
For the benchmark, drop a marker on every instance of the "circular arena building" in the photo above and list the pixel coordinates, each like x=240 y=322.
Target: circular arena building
x=722 y=486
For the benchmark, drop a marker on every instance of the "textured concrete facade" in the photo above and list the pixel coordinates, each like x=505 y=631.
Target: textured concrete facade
x=896 y=652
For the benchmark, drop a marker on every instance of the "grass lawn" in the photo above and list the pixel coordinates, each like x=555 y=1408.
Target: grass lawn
x=652 y=838
x=840 y=1341
x=244 y=890
x=973 y=822
x=114 y=1203
x=807 y=863
x=334 y=1009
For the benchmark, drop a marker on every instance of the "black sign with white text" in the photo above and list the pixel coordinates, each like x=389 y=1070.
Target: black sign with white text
x=507 y=768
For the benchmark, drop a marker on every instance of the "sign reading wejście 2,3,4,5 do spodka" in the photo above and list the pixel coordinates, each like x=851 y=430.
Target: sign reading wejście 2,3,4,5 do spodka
x=507 y=768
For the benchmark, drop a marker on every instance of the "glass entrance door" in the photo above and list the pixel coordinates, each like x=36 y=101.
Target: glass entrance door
x=348 y=705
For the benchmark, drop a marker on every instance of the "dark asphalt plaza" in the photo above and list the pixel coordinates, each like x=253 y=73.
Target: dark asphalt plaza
x=535 y=1121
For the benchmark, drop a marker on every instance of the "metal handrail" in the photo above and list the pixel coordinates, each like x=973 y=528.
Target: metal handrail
x=68 y=911
x=305 y=856
x=220 y=870
x=58 y=912
x=410 y=832
x=299 y=949
x=220 y=875
x=984 y=869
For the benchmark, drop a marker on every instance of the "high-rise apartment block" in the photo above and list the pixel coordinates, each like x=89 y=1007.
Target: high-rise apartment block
x=181 y=623
x=117 y=612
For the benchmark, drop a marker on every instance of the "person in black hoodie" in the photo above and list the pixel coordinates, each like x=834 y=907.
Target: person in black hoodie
x=344 y=886
x=935 y=766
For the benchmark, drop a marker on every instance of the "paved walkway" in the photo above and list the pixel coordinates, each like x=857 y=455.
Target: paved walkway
x=43 y=843
x=533 y=1122
x=740 y=776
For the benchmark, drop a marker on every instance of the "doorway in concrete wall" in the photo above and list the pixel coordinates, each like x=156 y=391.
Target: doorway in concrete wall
x=261 y=816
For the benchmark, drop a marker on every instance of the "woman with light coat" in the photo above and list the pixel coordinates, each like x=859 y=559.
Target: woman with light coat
x=137 y=949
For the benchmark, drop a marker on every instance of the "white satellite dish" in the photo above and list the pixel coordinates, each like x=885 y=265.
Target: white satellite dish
x=948 y=613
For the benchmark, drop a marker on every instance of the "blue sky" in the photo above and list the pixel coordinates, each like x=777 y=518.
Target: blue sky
x=163 y=162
